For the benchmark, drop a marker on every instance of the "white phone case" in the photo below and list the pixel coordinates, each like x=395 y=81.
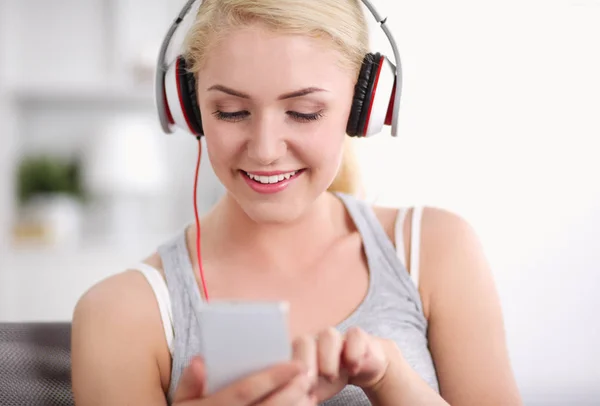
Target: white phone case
x=240 y=338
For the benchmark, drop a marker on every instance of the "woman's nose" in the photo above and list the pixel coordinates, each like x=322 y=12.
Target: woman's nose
x=267 y=144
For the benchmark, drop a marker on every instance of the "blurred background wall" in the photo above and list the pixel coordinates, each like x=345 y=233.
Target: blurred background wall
x=499 y=123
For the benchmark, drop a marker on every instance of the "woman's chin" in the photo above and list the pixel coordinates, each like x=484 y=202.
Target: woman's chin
x=286 y=206
x=273 y=212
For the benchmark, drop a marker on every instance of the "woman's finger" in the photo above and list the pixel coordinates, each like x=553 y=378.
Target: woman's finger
x=329 y=349
x=355 y=348
x=259 y=386
x=191 y=384
x=304 y=349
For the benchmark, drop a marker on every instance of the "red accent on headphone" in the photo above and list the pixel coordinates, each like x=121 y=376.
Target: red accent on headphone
x=390 y=112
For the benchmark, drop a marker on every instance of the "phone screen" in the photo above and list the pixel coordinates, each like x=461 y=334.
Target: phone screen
x=241 y=338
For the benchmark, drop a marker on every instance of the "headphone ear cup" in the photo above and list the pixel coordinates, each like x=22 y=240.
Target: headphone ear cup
x=189 y=97
x=362 y=95
x=181 y=100
x=181 y=107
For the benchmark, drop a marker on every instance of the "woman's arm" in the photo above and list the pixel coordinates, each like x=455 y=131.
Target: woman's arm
x=466 y=332
x=466 y=327
x=117 y=342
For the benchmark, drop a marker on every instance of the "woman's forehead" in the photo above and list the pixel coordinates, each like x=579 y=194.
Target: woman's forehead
x=256 y=58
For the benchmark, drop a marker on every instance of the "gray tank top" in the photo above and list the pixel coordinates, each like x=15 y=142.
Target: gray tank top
x=392 y=308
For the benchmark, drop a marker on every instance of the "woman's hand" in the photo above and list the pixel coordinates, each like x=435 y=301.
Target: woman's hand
x=335 y=360
x=282 y=385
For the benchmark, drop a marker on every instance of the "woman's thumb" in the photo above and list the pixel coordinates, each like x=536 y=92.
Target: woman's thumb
x=191 y=384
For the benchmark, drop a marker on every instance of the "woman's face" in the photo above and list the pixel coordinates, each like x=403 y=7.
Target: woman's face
x=274 y=112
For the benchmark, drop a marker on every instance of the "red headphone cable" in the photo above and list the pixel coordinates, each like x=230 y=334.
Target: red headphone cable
x=199 y=257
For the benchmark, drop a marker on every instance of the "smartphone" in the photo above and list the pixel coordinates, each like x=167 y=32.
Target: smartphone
x=241 y=338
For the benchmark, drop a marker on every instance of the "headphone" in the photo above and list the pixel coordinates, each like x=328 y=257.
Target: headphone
x=376 y=100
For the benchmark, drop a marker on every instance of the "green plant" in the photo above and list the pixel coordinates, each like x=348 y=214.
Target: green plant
x=43 y=175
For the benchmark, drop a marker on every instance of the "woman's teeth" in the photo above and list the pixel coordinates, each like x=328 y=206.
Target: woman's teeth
x=271 y=179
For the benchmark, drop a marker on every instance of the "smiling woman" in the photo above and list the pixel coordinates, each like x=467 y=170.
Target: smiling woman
x=279 y=85
x=268 y=117
x=213 y=23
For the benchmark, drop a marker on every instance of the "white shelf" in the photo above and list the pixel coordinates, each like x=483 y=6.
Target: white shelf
x=83 y=95
x=44 y=284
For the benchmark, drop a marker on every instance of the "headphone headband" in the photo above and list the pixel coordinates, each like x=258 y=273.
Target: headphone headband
x=163 y=66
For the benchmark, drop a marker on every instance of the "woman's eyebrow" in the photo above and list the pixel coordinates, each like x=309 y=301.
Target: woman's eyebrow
x=301 y=92
x=236 y=93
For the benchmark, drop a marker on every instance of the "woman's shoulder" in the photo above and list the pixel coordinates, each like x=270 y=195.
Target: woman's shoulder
x=435 y=223
x=125 y=293
x=117 y=312
x=122 y=303
x=448 y=246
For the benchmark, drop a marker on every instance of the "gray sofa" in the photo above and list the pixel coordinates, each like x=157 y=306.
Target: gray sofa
x=35 y=364
x=35 y=369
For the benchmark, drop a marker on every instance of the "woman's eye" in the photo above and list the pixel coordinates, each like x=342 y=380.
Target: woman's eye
x=305 y=117
x=233 y=116
x=240 y=115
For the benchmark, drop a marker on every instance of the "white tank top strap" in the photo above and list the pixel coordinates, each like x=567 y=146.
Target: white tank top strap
x=415 y=244
x=159 y=287
x=399 y=235
x=415 y=240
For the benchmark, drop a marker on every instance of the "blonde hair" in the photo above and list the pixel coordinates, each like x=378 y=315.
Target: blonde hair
x=348 y=178
x=342 y=22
